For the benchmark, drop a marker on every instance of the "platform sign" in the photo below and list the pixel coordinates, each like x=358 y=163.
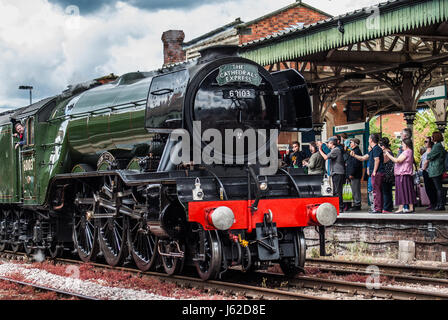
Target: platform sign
x=358 y=130
x=434 y=93
x=350 y=127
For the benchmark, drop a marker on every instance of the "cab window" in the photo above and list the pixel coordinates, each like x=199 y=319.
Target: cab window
x=30 y=131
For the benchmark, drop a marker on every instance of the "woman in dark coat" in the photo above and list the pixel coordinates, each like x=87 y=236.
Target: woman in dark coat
x=354 y=174
x=436 y=168
x=389 y=177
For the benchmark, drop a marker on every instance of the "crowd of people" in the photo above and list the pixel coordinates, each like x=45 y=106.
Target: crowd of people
x=342 y=159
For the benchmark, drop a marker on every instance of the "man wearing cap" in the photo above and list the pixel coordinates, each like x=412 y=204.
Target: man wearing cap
x=354 y=174
x=337 y=168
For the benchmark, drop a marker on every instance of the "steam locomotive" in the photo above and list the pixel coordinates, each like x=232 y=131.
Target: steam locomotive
x=103 y=171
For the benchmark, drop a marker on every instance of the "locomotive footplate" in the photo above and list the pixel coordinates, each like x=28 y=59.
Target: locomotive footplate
x=267 y=239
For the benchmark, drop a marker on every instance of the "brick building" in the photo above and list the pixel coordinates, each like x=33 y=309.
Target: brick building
x=296 y=15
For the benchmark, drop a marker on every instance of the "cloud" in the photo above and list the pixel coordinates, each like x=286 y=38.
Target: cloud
x=53 y=48
x=89 y=6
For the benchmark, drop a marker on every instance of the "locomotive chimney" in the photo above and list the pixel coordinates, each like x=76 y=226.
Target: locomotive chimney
x=172 y=46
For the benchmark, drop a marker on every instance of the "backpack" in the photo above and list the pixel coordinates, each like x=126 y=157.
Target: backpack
x=389 y=176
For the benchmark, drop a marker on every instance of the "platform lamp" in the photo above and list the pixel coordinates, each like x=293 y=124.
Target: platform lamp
x=28 y=88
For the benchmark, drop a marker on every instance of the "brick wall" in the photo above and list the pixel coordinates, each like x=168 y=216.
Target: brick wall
x=393 y=122
x=281 y=21
x=380 y=238
x=172 y=46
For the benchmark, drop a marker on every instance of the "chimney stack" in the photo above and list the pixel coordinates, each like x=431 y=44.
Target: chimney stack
x=172 y=46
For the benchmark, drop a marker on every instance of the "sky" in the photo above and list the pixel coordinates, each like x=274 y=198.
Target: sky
x=49 y=44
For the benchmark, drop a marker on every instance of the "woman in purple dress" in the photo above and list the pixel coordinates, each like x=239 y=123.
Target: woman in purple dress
x=404 y=183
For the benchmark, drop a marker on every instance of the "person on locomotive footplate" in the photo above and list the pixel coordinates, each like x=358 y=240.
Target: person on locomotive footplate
x=20 y=133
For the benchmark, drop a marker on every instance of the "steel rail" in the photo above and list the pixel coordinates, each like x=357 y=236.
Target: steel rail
x=250 y=291
x=44 y=288
x=353 y=288
x=386 y=269
x=397 y=268
x=301 y=282
x=253 y=292
x=393 y=276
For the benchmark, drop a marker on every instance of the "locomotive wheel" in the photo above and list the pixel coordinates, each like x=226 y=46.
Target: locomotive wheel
x=172 y=265
x=4 y=215
x=28 y=223
x=210 y=267
x=85 y=234
x=112 y=237
x=288 y=264
x=142 y=244
x=16 y=245
x=55 y=250
x=28 y=248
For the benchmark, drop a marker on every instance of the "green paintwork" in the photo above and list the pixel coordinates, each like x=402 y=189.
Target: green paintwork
x=77 y=131
x=73 y=130
x=134 y=165
x=8 y=170
x=79 y=168
x=322 y=38
x=51 y=155
x=29 y=175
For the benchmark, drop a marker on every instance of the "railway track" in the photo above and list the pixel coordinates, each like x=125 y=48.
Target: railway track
x=213 y=286
x=402 y=273
x=347 y=288
x=264 y=285
x=38 y=287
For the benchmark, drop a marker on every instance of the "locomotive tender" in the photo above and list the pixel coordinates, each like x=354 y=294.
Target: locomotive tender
x=96 y=173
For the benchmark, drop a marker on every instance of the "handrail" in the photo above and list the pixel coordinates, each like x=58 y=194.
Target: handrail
x=219 y=181
x=126 y=105
x=293 y=181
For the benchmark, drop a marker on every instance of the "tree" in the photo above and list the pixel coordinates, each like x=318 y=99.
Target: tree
x=373 y=128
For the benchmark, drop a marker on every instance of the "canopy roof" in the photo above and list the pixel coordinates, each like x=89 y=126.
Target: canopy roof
x=386 y=18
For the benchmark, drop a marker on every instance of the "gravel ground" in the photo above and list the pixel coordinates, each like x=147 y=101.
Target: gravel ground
x=13 y=291
x=119 y=285
x=102 y=283
x=70 y=284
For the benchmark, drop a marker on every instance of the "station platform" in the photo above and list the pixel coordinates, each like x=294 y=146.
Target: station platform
x=420 y=214
x=380 y=235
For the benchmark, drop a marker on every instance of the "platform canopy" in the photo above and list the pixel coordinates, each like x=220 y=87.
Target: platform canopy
x=386 y=55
